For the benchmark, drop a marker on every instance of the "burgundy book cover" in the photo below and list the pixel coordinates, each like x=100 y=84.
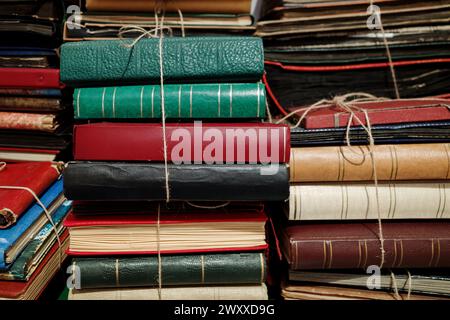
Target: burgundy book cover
x=29 y=78
x=73 y=221
x=382 y=112
x=37 y=176
x=15 y=289
x=424 y=244
x=144 y=142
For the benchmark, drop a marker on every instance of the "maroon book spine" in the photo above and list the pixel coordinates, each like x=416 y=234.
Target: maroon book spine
x=236 y=143
x=357 y=245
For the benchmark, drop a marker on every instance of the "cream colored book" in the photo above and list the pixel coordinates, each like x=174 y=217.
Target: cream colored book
x=357 y=201
x=258 y=292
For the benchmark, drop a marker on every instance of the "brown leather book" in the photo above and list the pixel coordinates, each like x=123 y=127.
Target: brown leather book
x=392 y=162
x=357 y=245
x=195 y=6
x=30 y=104
x=318 y=292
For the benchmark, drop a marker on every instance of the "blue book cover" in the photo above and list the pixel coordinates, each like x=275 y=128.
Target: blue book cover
x=9 y=236
x=19 y=269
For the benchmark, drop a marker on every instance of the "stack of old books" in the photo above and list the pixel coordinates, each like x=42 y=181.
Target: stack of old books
x=333 y=241
x=106 y=19
x=171 y=210
x=329 y=48
x=33 y=126
x=33 y=240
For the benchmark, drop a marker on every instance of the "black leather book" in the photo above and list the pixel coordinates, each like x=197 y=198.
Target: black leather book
x=146 y=181
x=142 y=271
x=417 y=132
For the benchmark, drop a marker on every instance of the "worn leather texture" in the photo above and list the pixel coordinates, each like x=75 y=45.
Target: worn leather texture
x=233 y=100
x=392 y=162
x=187 y=59
x=208 y=269
x=356 y=245
x=416 y=132
x=358 y=201
x=186 y=142
x=146 y=181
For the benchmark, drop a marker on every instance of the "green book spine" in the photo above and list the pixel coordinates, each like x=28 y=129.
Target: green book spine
x=237 y=100
x=235 y=268
x=190 y=59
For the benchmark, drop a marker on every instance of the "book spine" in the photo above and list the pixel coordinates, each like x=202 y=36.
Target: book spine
x=358 y=201
x=249 y=292
x=145 y=181
x=131 y=142
x=181 y=101
x=26 y=121
x=379 y=117
x=209 y=269
x=196 y=6
x=361 y=253
x=29 y=78
x=191 y=59
x=393 y=162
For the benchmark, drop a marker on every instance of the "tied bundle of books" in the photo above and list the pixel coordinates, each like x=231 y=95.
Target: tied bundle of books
x=330 y=48
x=334 y=239
x=106 y=19
x=171 y=210
x=33 y=240
x=33 y=117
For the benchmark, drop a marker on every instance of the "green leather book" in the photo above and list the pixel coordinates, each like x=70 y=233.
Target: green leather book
x=142 y=271
x=190 y=59
x=236 y=100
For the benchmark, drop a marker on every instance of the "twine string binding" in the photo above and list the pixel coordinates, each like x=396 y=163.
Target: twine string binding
x=222 y=205
x=158 y=31
x=388 y=53
x=39 y=202
x=346 y=103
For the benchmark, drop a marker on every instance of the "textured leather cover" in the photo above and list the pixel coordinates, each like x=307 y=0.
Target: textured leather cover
x=356 y=245
x=28 y=121
x=36 y=176
x=392 y=162
x=416 y=132
x=33 y=288
x=196 y=6
x=185 y=59
x=144 y=142
x=30 y=104
x=12 y=234
x=208 y=269
x=234 y=100
x=383 y=112
x=36 y=249
x=425 y=200
x=141 y=181
x=29 y=78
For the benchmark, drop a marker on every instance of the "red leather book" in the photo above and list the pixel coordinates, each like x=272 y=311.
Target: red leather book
x=249 y=142
x=423 y=244
x=383 y=112
x=37 y=176
x=29 y=78
x=178 y=233
x=33 y=288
